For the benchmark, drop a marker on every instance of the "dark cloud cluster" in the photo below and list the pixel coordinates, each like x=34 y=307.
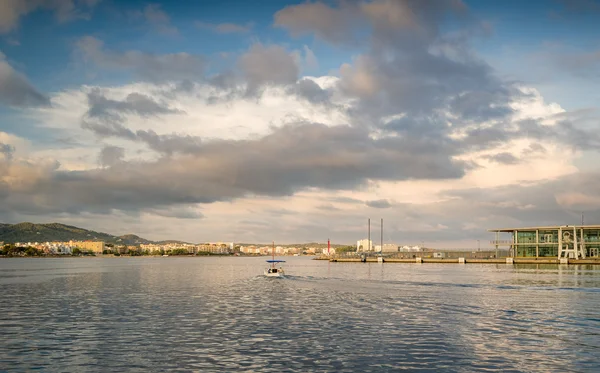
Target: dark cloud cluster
x=134 y=103
x=290 y=159
x=310 y=91
x=408 y=66
x=16 y=90
x=105 y=118
x=7 y=150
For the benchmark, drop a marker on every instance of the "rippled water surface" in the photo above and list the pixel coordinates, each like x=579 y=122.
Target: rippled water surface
x=220 y=314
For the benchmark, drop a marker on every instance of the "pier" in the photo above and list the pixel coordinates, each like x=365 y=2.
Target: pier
x=595 y=261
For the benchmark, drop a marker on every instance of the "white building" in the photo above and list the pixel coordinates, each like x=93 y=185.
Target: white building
x=390 y=248
x=407 y=248
x=330 y=251
x=364 y=245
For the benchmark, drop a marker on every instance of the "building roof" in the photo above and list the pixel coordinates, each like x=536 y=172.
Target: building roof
x=544 y=228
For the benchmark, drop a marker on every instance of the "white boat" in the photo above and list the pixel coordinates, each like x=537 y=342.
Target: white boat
x=273 y=271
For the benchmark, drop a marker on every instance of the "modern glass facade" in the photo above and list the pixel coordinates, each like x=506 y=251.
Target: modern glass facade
x=541 y=242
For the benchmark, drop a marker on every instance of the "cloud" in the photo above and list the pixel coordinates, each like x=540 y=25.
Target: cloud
x=270 y=64
x=311 y=91
x=12 y=10
x=415 y=117
x=226 y=28
x=328 y=23
x=388 y=20
x=15 y=89
x=503 y=158
x=164 y=144
x=111 y=155
x=379 y=204
x=137 y=103
x=105 y=118
x=152 y=67
x=581 y=64
x=279 y=158
x=408 y=65
x=177 y=212
x=7 y=150
x=286 y=161
x=157 y=19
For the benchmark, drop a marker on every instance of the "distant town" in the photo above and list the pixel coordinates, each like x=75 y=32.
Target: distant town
x=94 y=248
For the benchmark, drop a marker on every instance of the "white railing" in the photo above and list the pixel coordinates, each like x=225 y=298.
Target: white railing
x=501 y=242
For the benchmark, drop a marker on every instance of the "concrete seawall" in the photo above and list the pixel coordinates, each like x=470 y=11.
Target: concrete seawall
x=595 y=261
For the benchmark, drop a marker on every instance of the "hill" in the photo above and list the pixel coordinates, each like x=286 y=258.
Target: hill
x=29 y=232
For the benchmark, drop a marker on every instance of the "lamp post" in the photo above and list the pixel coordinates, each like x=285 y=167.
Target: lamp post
x=478 y=246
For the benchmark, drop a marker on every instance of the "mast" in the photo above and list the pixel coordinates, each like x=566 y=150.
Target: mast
x=328 y=246
x=369 y=234
x=273 y=251
x=381 y=247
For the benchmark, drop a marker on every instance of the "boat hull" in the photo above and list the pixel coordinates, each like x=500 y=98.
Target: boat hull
x=279 y=273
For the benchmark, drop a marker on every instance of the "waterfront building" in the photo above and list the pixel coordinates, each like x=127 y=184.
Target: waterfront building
x=95 y=246
x=390 y=248
x=407 y=248
x=364 y=245
x=566 y=241
x=216 y=248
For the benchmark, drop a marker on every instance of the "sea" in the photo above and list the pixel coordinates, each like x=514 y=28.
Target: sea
x=219 y=314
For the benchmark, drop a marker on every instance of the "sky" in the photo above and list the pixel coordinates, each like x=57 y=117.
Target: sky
x=297 y=121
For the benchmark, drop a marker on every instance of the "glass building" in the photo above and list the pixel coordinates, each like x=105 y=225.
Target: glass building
x=567 y=241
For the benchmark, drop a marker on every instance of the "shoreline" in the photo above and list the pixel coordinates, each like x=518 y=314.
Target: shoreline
x=103 y=256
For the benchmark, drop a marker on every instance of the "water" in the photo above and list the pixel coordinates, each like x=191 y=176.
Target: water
x=220 y=315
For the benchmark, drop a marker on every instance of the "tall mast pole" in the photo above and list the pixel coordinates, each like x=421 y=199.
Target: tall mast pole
x=273 y=251
x=381 y=252
x=328 y=246
x=369 y=235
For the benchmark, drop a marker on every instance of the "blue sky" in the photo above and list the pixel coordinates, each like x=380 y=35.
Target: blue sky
x=367 y=107
x=45 y=50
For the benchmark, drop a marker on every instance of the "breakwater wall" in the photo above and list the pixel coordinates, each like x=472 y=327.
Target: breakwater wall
x=595 y=261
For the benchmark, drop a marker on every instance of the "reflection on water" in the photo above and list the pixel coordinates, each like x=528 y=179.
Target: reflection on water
x=220 y=314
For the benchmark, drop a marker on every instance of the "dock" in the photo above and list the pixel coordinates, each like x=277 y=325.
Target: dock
x=592 y=261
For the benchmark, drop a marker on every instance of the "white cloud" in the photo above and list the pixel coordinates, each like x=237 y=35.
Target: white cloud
x=243 y=118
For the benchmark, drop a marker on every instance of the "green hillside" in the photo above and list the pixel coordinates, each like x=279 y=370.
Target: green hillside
x=29 y=232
